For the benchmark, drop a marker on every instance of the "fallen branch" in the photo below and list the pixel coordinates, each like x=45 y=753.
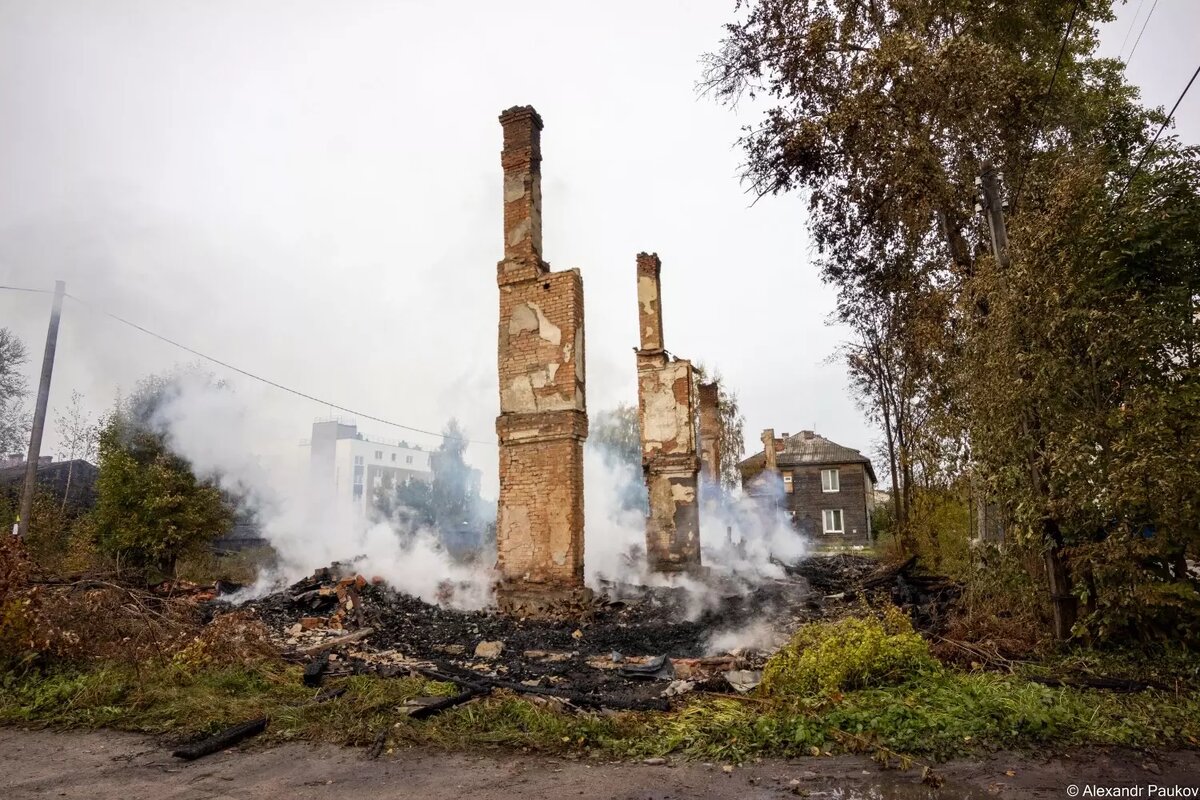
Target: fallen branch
x=432 y=709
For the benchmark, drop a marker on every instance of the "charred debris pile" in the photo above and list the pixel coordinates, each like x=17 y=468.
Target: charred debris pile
x=630 y=647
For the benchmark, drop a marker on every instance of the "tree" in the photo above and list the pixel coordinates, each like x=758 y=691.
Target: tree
x=14 y=421
x=151 y=508
x=78 y=433
x=449 y=500
x=616 y=434
x=1031 y=375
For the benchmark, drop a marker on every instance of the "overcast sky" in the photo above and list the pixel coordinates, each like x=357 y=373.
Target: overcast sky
x=311 y=191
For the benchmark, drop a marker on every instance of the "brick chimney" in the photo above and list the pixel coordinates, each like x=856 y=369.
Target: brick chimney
x=521 y=159
x=649 y=291
x=768 y=440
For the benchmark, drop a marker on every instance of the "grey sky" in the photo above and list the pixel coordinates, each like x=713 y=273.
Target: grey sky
x=311 y=191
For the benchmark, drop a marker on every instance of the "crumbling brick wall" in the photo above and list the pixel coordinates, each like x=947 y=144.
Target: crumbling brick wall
x=543 y=410
x=710 y=433
x=666 y=410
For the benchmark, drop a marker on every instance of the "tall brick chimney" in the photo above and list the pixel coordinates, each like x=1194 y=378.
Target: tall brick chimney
x=543 y=402
x=649 y=292
x=710 y=433
x=666 y=417
x=768 y=440
x=521 y=159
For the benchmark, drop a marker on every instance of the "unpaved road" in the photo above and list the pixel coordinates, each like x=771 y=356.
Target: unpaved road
x=117 y=766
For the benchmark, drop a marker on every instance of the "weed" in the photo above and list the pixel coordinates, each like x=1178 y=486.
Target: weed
x=855 y=652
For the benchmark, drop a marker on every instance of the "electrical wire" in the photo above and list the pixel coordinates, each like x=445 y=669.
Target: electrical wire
x=1132 y=22
x=1062 y=48
x=252 y=375
x=1137 y=168
x=1129 y=57
x=26 y=289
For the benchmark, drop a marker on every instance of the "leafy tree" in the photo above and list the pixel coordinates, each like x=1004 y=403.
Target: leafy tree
x=616 y=434
x=78 y=434
x=1063 y=379
x=151 y=507
x=449 y=500
x=14 y=422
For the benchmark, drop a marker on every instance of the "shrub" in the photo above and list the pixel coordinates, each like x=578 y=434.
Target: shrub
x=852 y=653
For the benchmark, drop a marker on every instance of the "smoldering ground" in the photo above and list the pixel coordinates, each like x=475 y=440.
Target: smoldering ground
x=745 y=540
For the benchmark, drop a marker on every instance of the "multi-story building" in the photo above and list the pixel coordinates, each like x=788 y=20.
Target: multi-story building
x=827 y=489
x=357 y=466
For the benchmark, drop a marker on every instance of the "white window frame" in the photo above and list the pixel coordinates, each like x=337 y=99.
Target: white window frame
x=408 y=459
x=789 y=482
x=834 y=485
x=827 y=515
x=379 y=455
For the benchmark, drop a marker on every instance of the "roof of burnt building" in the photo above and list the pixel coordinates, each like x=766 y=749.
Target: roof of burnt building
x=806 y=449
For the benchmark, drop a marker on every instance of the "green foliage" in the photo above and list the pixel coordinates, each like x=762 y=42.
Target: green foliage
x=1064 y=381
x=935 y=713
x=616 y=433
x=14 y=421
x=939 y=521
x=828 y=657
x=449 y=501
x=151 y=507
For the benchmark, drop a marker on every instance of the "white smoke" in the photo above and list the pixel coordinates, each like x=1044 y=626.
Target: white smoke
x=306 y=525
x=744 y=540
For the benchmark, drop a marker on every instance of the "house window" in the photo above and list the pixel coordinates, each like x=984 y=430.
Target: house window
x=378 y=481
x=379 y=455
x=393 y=456
x=358 y=460
x=831 y=519
x=829 y=480
x=787 y=482
x=408 y=459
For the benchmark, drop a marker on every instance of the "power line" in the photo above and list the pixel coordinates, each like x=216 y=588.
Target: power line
x=27 y=289
x=268 y=381
x=1062 y=48
x=1132 y=22
x=1143 y=30
x=1157 y=133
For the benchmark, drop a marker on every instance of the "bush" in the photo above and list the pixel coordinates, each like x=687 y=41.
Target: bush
x=852 y=653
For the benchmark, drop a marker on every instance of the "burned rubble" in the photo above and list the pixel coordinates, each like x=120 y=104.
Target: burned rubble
x=629 y=647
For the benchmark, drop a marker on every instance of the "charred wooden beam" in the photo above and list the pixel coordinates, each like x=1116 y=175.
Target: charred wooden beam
x=219 y=741
x=574 y=698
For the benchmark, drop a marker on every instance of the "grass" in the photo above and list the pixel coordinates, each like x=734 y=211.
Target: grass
x=938 y=715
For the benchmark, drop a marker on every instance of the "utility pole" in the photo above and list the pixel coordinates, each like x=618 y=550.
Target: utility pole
x=989 y=183
x=39 y=412
x=1062 y=599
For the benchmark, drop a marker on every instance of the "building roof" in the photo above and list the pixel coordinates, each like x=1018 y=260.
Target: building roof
x=807 y=449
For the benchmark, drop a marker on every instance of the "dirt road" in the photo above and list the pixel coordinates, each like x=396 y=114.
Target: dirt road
x=116 y=766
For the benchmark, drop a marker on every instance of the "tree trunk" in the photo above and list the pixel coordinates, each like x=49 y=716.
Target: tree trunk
x=1062 y=598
